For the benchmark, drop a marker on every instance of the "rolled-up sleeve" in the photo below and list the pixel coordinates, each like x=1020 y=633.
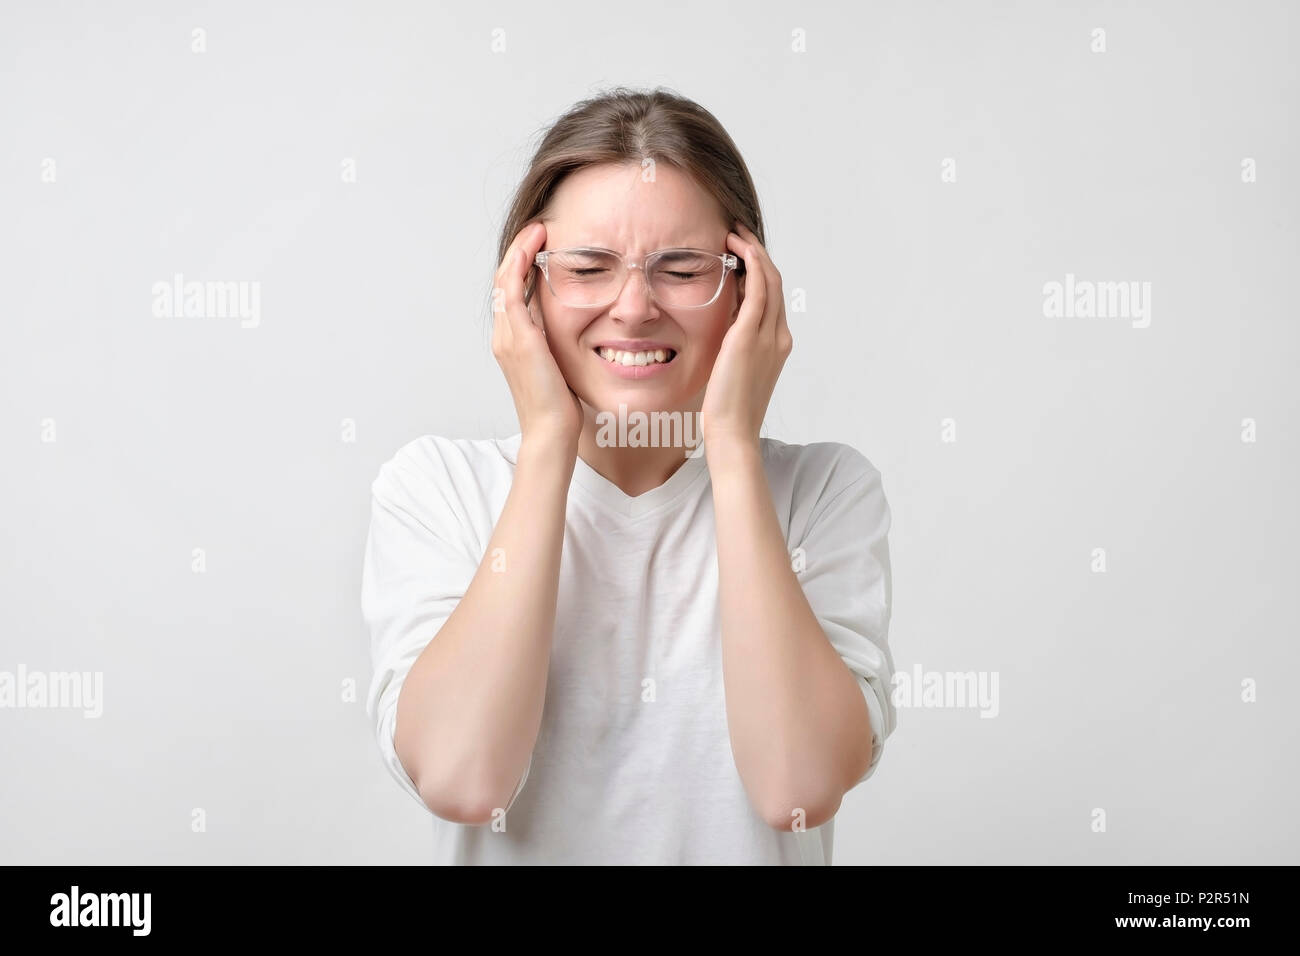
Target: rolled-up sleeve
x=847 y=579
x=417 y=566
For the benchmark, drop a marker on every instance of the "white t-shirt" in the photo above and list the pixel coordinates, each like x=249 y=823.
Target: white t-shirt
x=633 y=761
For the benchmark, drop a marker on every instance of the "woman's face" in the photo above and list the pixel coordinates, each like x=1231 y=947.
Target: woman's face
x=613 y=207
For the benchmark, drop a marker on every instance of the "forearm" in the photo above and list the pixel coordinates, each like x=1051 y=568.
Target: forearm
x=796 y=714
x=471 y=707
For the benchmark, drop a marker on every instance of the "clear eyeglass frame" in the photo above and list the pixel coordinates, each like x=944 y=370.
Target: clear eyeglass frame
x=729 y=261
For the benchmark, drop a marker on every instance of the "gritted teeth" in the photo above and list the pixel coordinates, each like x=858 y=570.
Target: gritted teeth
x=648 y=357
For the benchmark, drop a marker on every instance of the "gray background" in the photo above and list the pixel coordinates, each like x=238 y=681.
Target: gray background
x=1119 y=691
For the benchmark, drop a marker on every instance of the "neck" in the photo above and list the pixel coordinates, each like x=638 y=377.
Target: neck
x=634 y=450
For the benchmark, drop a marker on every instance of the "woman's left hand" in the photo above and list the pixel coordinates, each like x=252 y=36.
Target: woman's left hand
x=752 y=354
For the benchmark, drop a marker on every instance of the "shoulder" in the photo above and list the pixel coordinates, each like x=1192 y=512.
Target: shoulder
x=435 y=469
x=825 y=487
x=440 y=457
x=818 y=469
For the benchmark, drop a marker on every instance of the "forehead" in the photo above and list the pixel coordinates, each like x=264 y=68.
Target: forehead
x=631 y=210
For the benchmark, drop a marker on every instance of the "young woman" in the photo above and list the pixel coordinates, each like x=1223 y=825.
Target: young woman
x=592 y=642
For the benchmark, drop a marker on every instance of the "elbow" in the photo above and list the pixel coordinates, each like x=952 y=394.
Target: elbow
x=454 y=797
x=804 y=811
x=449 y=794
x=460 y=804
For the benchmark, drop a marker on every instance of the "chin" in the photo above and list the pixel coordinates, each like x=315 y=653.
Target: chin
x=635 y=400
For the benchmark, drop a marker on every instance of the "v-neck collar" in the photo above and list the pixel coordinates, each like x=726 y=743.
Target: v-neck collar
x=606 y=493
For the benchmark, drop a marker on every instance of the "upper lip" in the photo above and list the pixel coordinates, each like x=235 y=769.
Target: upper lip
x=634 y=345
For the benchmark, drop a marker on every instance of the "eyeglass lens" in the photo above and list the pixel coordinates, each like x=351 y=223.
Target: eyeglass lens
x=677 y=278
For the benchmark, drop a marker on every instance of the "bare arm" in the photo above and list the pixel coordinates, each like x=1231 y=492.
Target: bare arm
x=799 y=725
x=471 y=706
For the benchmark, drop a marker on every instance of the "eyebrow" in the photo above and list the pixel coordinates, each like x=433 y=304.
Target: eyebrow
x=601 y=248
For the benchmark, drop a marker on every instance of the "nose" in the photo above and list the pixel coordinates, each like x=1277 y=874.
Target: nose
x=634 y=304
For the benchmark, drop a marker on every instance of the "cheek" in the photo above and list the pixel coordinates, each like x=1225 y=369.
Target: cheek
x=712 y=331
x=704 y=339
x=561 y=338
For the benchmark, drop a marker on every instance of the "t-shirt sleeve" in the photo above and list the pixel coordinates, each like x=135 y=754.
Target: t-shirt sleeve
x=419 y=561
x=847 y=579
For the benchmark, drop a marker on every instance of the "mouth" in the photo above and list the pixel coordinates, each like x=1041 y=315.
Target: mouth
x=639 y=359
x=635 y=364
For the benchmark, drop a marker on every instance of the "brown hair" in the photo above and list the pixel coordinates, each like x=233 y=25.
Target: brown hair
x=624 y=125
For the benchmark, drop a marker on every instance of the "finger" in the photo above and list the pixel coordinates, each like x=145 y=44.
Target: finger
x=755 y=301
x=514 y=270
x=762 y=263
x=502 y=337
x=513 y=285
x=504 y=268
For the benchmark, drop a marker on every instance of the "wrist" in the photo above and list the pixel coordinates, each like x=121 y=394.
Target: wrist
x=729 y=452
x=548 y=451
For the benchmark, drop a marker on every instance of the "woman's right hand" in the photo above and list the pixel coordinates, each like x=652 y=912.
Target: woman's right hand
x=548 y=409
